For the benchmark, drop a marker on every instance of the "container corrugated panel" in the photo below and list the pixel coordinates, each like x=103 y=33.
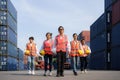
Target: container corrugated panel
x=3 y=5
x=11 y=64
x=12 y=50
x=98 y=61
x=21 y=65
x=3 y=63
x=99 y=43
x=108 y=3
x=116 y=12
x=3 y=16
x=3 y=47
x=12 y=36
x=12 y=10
x=3 y=33
x=20 y=54
x=115 y=58
x=11 y=22
x=116 y=35
x=98 y=26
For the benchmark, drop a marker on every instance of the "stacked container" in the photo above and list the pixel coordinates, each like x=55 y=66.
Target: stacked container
x=105 y=42
x=8 y=36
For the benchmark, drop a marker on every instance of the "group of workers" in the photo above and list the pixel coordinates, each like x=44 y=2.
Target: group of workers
x=61 y=46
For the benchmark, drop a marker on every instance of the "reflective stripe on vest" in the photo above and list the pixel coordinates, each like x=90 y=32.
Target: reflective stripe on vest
x=32 y=48
x=75 y=46
x=61 y=43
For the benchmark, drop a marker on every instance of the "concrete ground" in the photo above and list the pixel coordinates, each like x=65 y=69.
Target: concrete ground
x=90 y=75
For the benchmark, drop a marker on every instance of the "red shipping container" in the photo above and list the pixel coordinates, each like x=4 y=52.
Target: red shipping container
x=85 y=35
x=116 y=13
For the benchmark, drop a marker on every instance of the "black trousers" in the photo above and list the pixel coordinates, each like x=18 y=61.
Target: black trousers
x=61 y=58
x=84 y=62
x=46 y=58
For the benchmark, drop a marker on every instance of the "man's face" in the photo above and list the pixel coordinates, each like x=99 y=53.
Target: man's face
x=61 y=31
x=30 y=40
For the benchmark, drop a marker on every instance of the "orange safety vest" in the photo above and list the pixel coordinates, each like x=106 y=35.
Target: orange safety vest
x=75 y=46
x=85 y=47
x=31 y=48
x=61 y=43
x=48 y=46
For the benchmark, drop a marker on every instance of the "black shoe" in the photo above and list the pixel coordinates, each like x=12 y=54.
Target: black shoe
x=45 y=75
x=62 y=75
x=75 y=73
x=57 y=75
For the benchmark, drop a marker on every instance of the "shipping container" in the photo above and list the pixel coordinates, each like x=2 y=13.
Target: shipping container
x=11 y=64
x=3 y=18
x=20 y=54
x=3 y=4
x=108 y=3
x=11 y=23
x=85 y=35
x=115 y=58
x=99 y=43
x=3 y=33
x=20 y=65
x=12 y=50
x=3 y=48
x=12 y=37
x=116 y=12
x=116 y=35
x=8 y=63
x=98 y=61
x=98 y=26
x=11 y=9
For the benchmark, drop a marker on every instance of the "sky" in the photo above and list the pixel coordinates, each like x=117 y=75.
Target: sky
x=37 y=17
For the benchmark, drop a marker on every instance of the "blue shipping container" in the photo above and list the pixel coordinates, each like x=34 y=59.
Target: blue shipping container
x=20 y=54
x=12 y=23
x=98 y=27
x=99 y=43
x=116 y=35
x=11 y=64
x=115 y=58
x=98 y=61
x=12 y=50
x=12 y=37
x=12 y=10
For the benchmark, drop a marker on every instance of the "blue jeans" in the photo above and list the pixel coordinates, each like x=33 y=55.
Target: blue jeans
x=74 y=63
x=31 y=65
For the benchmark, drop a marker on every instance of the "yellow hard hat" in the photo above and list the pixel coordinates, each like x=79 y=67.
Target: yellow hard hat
x=80 y=52
x=87 y=51
x=42 y=52
x=27 y=52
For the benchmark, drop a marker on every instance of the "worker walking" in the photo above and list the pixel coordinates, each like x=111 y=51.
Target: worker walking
x=83 y=57
x=61 y=45
x=32 y=53
x=74 y=54
x=47 y=47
